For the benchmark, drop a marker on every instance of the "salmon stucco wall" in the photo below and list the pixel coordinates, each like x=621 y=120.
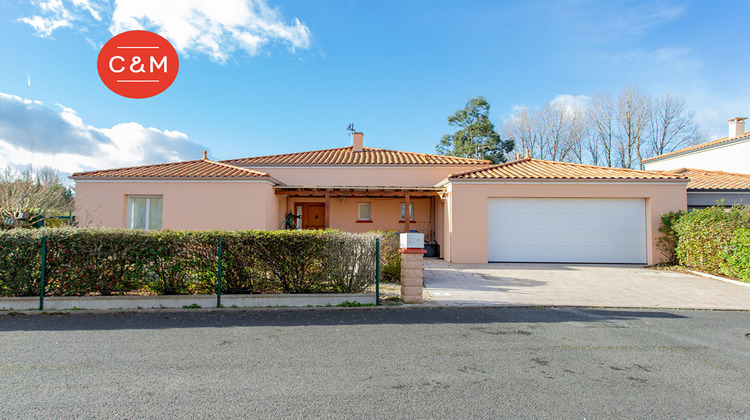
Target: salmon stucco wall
x=466 y=209
x=203 y=205
x=386 y=213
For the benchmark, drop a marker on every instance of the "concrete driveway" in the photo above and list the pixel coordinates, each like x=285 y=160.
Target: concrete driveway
x=622 y=286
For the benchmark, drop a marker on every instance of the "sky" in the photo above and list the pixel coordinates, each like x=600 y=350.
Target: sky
x=260 y=77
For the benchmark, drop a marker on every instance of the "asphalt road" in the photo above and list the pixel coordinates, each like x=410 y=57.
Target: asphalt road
x=397 y=363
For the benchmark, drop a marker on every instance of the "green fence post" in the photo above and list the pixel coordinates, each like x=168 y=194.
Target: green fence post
x=377 y=271
x=41 y=277
x=218 y=282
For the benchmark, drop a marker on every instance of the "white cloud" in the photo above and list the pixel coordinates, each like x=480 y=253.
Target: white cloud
x=214 y=28
x=54 y=14
x=45 y=26
x=570 y=102
x=32 y=134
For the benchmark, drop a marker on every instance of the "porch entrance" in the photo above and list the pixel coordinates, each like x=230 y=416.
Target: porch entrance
x=313 y=215
x=382 y=205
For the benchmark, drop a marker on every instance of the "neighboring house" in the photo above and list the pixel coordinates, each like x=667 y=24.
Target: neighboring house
x=707 y=188
x=717 y=169
x=528 y=210
x=726 y=154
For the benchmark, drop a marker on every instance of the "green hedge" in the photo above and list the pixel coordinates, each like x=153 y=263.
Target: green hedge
x=737 y=256
x=667 y=242
x=707 y=239
x=119 y=261
x=391 y=258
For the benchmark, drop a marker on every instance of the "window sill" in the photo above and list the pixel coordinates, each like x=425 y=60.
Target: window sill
x=410 y=221
x=364 y=221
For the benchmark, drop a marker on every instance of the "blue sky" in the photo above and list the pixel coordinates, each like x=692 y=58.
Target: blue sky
x=264 y=77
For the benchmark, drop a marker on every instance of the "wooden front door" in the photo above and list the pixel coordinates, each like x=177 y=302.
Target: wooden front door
x=314 y=216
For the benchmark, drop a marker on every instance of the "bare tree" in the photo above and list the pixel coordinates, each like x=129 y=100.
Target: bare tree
x=672 y=126
x=633 y=115
x=566 y=128
x=26 y=198
x=553 y=132
x=608 y=131
x=523 y=127
x=601 y=121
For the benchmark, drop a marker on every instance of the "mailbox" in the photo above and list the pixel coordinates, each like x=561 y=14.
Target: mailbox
x=412 y=240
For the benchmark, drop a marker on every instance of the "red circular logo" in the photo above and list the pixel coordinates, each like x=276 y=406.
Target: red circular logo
x=137 y=64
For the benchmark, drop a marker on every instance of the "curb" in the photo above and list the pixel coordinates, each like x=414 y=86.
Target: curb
x=356 y=308
x=60 y=303
x=724 y=279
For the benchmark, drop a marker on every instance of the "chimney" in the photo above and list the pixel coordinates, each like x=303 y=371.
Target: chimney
x=357 y=142
x=736 y=127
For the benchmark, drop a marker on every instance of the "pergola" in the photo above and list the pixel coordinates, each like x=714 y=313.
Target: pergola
x=326 y=192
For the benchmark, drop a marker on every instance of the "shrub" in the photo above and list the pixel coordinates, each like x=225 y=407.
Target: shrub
x=118 y=261
x=705 y=235
x=737 y=256
x=667 y=242
x=20 y=262
x=101 y=261
x=391 y=269
x=242 y=270
x=350 y=261
x=179 y=262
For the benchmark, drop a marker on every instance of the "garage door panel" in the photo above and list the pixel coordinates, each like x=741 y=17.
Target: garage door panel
x=567 y=230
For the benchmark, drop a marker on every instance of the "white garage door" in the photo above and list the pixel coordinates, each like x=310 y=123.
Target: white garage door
x=585 y=230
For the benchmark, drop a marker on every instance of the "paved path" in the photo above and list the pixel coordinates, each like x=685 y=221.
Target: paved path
x=624 y=286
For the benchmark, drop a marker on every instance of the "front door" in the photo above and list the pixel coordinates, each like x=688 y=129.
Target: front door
x=314 y=216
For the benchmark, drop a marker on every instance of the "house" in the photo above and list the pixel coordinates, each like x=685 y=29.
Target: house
x=528 y=210
x=707 y=188
x=728 y=154
x=719 y=170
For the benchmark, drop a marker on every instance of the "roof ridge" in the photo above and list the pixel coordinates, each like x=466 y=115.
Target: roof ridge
x=227 y=165
x=710 y=171
x=346 y=156
x=544 y=169
x=697 y=146
x=293 y=153
x=495 y=166
x=200 y=168
x=704 y=179
x=137 y=167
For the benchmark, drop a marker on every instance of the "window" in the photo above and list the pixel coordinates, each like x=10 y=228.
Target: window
x=144 y=213
x=411 y=211
x=364 y=212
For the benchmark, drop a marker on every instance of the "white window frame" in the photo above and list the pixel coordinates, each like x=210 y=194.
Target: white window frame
x=298 y=209
x=411 y=212
x=359 y=212
x=148 y=209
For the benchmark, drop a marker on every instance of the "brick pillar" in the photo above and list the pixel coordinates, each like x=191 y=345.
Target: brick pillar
x=411 y=275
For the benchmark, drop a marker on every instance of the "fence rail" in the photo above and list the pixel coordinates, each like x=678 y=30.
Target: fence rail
x=84 y=262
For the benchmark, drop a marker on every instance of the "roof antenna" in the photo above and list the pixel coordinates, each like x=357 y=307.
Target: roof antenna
x=351 y=129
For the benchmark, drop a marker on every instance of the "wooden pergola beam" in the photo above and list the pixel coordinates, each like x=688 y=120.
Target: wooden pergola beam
x=356 y=193
x=328 y=209
x=407 y=213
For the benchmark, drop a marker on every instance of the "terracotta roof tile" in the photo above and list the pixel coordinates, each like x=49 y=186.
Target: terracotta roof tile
x=714 y=180
x=203 y=168
x=697 y=147
x=346 y=156
x=529 y=168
